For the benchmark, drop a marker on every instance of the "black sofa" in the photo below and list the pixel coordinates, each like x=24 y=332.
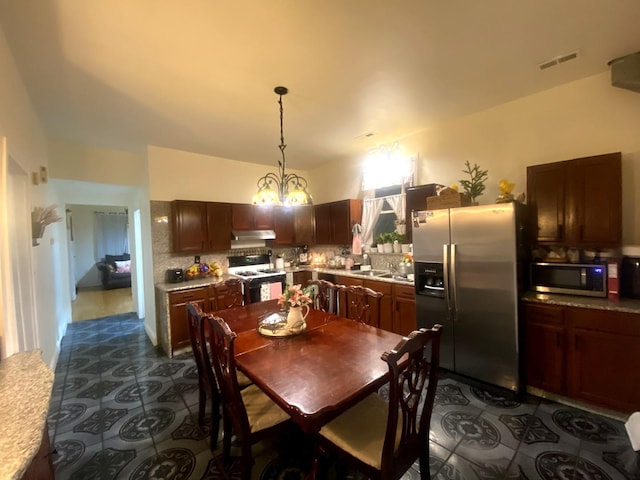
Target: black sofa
x=109 y=276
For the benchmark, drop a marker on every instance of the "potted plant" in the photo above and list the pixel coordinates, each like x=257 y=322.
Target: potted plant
x=474 y=187
x=386 y=240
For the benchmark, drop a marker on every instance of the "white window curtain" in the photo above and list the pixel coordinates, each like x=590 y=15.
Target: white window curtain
x=371 y=208
x=111 y=234
x=398 y=203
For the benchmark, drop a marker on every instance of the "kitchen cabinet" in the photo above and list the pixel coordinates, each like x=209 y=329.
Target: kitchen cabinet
x=545 y=340
x=404 y=309
x=283 y=226
x=294 y=225
x=41 y=467
x=335 y=220
x=385 y=320
x=585 y=354
x=178 y=327
x=200 y=226
x=577 y=202
x=416 y=199
x=251 y=217
x=304 y=225
x=603 y=361
x=302 y=277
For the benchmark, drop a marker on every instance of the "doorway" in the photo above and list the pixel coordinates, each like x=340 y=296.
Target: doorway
x=97 y=234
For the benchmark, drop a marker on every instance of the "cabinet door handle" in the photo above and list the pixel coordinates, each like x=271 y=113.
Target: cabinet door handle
x=560 y=231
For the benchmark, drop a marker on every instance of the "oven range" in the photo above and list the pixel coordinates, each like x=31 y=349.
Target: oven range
x=264 y=282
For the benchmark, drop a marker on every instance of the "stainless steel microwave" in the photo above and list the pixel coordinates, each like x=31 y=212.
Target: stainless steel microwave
x=569 y=278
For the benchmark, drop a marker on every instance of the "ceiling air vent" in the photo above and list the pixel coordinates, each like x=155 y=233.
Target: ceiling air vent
x=552 y=62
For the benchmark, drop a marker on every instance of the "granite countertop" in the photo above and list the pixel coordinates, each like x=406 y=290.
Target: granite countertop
x=200 y=282
x=629 y=305
x=352 y=273
x=25 y=391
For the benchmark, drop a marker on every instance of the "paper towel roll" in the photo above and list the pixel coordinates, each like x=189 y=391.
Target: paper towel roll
x=633 y=430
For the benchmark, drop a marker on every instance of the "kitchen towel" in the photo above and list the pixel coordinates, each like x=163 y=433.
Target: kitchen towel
x=633 y=430
x=356 y=247
x=265 y=292
x=275 y=290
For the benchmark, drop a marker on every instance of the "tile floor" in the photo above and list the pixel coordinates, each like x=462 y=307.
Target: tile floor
x=122 y=410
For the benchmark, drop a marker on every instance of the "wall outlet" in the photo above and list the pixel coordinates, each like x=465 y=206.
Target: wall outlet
x=196 y=259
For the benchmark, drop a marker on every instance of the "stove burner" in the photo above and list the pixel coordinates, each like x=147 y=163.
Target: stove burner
x=269 y=270
x=246 y=273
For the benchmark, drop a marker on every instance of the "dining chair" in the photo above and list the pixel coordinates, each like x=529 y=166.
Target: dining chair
x=247 y=413
x=360 y=303
x=325 y=297
x=383 y=439
x=207 y=386
x=233 y=292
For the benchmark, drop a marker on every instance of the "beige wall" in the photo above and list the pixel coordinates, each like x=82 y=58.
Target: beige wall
x=73 y=161
x=175 y=174
x=27 y=150
x=583 y=118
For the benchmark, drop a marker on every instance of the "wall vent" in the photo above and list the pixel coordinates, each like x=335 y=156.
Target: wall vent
x=552 y=62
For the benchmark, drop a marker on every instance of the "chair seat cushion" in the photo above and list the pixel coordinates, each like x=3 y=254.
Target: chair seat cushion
x=243 y=381
x=360 y=431
x=261 y=410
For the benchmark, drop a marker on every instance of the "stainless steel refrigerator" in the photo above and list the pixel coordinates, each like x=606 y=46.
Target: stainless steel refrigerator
x=467 y=263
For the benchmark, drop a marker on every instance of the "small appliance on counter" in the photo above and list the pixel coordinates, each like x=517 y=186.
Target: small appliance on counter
x=175 y=275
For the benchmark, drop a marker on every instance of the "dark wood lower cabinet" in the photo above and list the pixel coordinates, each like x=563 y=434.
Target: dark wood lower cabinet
x=302 y=278
x=585 y=354
x=404 y=311
x=544 y=344
x=179 y=330
x=604 y=358
x=41 y=467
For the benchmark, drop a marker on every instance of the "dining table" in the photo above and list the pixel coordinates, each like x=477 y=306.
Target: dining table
x=314 y=375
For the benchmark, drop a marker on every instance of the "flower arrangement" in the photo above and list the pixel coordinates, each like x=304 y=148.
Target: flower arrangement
x=295 y=296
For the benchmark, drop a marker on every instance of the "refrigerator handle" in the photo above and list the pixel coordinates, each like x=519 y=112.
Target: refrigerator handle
x=452 y=276
x=445 y=275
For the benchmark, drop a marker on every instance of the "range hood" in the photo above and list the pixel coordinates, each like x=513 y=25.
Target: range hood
x=253 y=234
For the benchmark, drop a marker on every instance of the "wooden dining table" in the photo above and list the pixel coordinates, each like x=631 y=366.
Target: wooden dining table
x=315 y=375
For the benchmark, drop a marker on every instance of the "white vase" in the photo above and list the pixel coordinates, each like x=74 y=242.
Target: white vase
x=387 y=248
x=295 y=317
x=397 y=248
x=406 y=248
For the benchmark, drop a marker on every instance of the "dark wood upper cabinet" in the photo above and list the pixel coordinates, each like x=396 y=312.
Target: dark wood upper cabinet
x=200 y=226
x=251 y=217
x=323 y=223
x=283 y=226
x=304 y=224
x=189 y=226
x=218 y=226
x=545 y=193
x=577 y=202
x=335 y=220
x=416 y=199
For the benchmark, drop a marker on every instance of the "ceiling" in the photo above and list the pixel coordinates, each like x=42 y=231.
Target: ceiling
x=198 y=75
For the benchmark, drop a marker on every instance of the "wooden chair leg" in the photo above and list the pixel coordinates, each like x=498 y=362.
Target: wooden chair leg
x=425 y=473
x=226 y=440
x=247 y=461
x=215 y=424
x=202 y=399
x=315 y=463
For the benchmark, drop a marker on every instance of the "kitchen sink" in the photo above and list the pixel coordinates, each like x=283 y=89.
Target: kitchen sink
x=395 y=276
x=369 y=273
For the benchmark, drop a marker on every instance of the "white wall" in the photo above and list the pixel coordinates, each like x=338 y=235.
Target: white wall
x=582 y=118
x=27 y=146
x=174 y=174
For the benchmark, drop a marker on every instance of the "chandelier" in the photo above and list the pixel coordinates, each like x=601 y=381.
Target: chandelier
x=282 y=188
